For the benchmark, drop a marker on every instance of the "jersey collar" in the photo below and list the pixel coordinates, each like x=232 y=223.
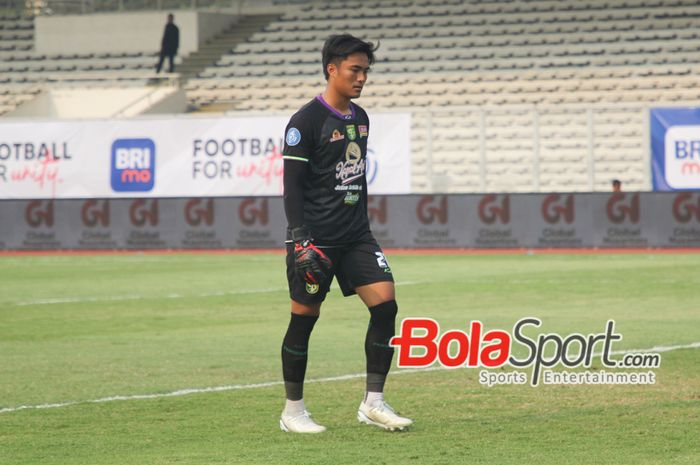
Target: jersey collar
x=319 y=97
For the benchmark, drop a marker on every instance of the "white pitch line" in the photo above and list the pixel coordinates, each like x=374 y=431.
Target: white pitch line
x=74 y=300
x=693 y=345
x=238 y=387
x=185 y=392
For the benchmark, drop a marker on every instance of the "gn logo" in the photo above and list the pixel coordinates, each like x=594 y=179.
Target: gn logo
x=199 y=211
x=619 y=208
x=490 y=209
x=252 y=210
x=133 y=165
x=431 y=209
x=556 y=208
x=37 y=213
x=95 y=213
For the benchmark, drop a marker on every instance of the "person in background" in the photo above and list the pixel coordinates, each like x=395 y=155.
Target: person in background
x=616 y=185
x=169 y=44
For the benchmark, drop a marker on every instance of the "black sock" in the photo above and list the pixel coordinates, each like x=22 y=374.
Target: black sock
x=382 y=324
x=295 y=354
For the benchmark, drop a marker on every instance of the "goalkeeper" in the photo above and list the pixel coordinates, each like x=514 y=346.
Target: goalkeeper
x=325 y=201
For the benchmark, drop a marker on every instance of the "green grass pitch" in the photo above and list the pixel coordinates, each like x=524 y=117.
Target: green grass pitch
x=85 y=327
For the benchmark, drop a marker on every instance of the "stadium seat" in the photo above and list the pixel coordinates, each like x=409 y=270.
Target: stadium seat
x=436 y=55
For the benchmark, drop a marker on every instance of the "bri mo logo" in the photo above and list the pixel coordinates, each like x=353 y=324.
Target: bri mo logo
x=133 y=165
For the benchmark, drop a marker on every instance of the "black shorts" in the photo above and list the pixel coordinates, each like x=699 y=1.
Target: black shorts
x=354 y=265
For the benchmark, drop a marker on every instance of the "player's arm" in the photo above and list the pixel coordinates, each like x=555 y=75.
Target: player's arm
x=310 y=262
x=293 y=179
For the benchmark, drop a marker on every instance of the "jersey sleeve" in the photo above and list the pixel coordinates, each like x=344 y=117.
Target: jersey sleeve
x=298 y=139
x=293 y=180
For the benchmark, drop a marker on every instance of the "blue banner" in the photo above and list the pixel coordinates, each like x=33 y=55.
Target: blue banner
x=675 y=149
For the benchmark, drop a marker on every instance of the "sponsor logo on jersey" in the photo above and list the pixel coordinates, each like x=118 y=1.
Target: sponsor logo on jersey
x=350 y=129
x=353 y=153
x=293 y=137
x=351 y=198
x=363 y=130
x=353 y=167
x=336 y=136
x=133 y=165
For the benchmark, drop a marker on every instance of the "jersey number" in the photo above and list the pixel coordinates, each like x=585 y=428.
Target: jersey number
x=381 y=260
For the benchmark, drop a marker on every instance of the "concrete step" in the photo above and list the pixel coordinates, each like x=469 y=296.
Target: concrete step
x=243 y=29
x=224 y=46
x=227 y=40
x=212 y=51
x=217 y=107
x=203 y=59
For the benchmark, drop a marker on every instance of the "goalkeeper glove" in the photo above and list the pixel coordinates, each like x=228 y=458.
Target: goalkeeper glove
x=310 y=263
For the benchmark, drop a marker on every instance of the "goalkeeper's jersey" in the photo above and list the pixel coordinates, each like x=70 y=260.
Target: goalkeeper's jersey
x=335 y=189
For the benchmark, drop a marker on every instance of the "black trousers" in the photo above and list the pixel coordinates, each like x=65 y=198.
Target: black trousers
x=171 y=57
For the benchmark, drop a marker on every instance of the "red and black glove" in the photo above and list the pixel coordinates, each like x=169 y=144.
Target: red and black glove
x=310 y=263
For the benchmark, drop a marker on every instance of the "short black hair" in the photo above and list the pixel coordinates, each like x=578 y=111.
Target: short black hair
x=616 y=182
x=339 y=46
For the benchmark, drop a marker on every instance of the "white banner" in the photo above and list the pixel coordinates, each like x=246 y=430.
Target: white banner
x=682 y=157
x=177 y=157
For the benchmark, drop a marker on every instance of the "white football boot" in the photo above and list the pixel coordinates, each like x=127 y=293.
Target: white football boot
x=379 y=413
x=300 y=423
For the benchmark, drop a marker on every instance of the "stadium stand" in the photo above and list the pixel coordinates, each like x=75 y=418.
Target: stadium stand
x=505 y=95
x=25 y=74
x=16 y=44
x=520 y=95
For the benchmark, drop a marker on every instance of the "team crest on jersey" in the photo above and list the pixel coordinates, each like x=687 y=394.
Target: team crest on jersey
x=350 y=129
x=293 y=137
x=336 y=136
x=363 y=130
x=311 y=288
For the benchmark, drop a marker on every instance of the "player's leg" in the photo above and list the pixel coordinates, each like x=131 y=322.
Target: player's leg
x=380 y=300
x=306 y=302
x=364 y=271
x=295 y=418
x=171 y=62
x=295 y=346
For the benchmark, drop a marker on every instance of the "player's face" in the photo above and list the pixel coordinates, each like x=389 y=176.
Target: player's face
x=348 y=77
